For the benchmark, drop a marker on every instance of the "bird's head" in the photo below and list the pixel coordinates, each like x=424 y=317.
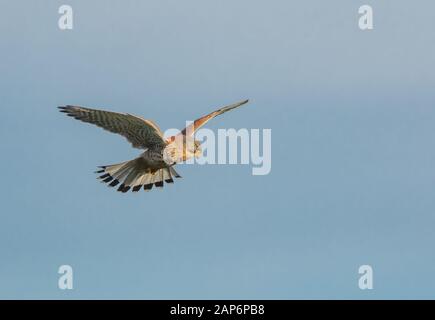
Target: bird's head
x=197 y=151
x=193 y=149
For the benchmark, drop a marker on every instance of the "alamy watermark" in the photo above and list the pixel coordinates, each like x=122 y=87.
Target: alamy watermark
x=65 y=281
x=230 y=146
x=365 y=21
x=366 y=279
x=65 y=21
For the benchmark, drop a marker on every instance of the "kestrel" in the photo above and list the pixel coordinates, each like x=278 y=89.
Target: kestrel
x=156 y=164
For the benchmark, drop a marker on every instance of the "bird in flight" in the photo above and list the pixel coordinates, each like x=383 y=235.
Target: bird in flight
x=156 y=164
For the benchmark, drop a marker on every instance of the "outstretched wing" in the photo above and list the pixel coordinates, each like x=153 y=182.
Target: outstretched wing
x=143 y=134
x=198 y=123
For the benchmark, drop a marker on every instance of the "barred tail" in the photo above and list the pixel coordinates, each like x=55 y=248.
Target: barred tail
x=133 y=175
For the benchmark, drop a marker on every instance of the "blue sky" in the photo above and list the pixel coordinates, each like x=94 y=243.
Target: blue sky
x=353 y=172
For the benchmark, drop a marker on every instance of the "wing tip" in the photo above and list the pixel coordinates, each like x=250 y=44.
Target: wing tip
x=66 y=109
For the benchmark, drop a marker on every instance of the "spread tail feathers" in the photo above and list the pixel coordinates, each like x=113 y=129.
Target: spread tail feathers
x=134 y=175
